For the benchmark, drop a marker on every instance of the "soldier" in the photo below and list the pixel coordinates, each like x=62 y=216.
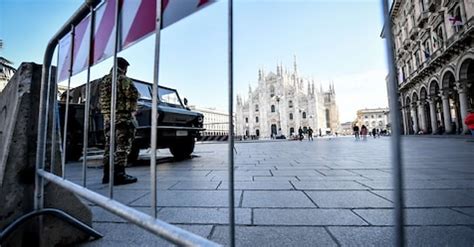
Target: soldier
x=127 y=96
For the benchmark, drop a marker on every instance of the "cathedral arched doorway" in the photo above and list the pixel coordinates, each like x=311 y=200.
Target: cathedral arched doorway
x=448 y=84
x=273 y=128
x=466 y=76
x=292 y=130
x=257 y=132
x=426 y=110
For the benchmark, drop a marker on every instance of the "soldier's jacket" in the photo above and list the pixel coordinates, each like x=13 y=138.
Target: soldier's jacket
x=127 y=96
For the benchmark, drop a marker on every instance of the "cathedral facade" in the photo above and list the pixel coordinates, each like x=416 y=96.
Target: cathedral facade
x=284 y=101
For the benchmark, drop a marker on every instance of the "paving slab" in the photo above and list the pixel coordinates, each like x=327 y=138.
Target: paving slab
x=204 y=215
x=306 y=217
x=195 y=185
x=440 y=236
x=431 y=216
x=328 y=185
x=120 y=234
x=190 y=198
x=363 y=236
x=276 y=199
x=434 y=198
x=348 y=199
x=274 y=236
x=258 y=185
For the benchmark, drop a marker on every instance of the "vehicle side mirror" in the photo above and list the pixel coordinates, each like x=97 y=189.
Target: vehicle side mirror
x=185 y=102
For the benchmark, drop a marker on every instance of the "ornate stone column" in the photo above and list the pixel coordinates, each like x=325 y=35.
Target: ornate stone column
x=463 y=103
x=404 y=119
x=415 y=117
x=446 y=111
x=434 y=124
x=422 y=114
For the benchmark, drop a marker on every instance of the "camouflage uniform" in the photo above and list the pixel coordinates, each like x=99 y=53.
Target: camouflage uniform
x=127 y=96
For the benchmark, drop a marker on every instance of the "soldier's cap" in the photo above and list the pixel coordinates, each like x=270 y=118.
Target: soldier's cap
x=122 y=63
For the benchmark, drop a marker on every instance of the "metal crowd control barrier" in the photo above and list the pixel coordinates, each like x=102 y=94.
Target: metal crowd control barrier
x=150 y=223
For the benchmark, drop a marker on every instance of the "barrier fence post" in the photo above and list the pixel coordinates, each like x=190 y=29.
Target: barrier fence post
x=396 y=161
x=231 y=125
x=154 y=108
x=113 y=103
x=85 y=139
x=66 y=111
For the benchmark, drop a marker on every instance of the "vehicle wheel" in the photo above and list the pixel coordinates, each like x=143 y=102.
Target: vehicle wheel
x=133 y=155
x=183 y=149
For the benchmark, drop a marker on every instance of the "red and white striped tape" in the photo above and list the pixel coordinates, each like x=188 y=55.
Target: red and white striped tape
x=137 y=21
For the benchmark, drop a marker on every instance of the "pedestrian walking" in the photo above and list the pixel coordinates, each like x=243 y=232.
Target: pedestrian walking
x=374 y=133
x=356 y=132
x=127 y=97
x=310 y=134
x=364 y=132
x=300 y=133
x=469 y=121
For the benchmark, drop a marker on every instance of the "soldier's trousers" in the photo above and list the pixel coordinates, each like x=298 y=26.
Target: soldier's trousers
x=125 y=134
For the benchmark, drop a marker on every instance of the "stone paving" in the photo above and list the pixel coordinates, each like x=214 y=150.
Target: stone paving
x=329 y=192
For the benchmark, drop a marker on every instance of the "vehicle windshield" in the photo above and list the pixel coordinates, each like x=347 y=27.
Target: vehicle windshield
x=166 y=95
x=169 y=96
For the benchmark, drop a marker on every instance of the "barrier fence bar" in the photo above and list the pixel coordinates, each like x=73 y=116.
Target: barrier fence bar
x=113 y=103
x=154 y=108
x=231 y=125
x=66 y=111
x=167 y=231
x=85 y=139
x=397 y=165
x=53 y=124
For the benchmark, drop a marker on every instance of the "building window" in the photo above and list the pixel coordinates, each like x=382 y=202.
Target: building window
x=304 y=115
x=438 y=37
x=366 y=116
x=272 y=91
x=256 y=107
x=380 y=116
x=416 y=60
x=246 y=119
x=290 y=104
x=273 y=108
x=291 y=116
x=427 y=50
x=372 y=116
x=256 y=119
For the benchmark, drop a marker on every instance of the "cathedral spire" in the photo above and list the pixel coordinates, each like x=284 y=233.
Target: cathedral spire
x=259 y=74
x=295 y=66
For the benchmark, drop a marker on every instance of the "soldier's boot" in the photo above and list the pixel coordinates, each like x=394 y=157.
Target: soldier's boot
x=120 y=177
x=105 y=177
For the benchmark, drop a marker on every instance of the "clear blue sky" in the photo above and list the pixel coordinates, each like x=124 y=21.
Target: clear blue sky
x=334 y=40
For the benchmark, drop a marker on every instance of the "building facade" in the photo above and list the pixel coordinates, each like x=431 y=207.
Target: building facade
x=434 y=53
x=282 y=102
x=216 y=122
x=6 y=72
x=377 y=118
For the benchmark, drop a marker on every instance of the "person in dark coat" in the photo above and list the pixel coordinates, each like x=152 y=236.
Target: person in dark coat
x=300 y=133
